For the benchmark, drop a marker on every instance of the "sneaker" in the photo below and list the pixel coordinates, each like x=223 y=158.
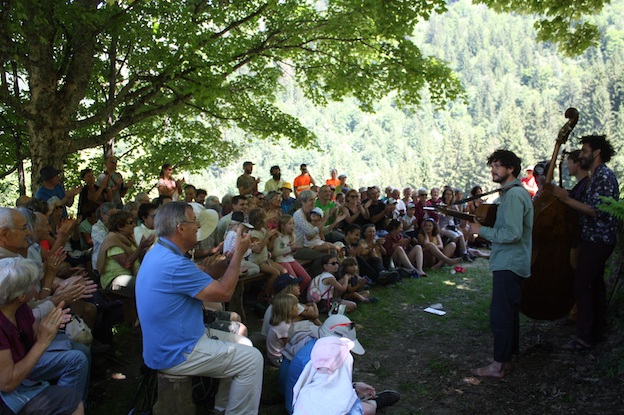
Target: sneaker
x=372 y=300
x=403 y=273
x=388 y=277
x=466 y=257
x=386 y=398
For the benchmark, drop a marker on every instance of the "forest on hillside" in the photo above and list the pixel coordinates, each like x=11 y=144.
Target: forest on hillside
x=516 y=92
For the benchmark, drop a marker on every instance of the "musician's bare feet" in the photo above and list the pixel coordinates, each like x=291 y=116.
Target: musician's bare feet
x=493 y=370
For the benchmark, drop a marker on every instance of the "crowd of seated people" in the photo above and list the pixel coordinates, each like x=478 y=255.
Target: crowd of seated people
x=299 y=241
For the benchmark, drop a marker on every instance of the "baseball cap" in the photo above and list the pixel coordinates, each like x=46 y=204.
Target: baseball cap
x=47 y=173
x=286 y=185
x=318 y=211
x=339 y=325
x=283 y=281
x=240 y=217
x=391 y=201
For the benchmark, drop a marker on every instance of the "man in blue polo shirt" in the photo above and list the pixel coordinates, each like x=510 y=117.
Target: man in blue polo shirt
x=169 y=293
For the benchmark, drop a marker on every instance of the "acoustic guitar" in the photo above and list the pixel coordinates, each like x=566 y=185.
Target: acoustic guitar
x=485 y=213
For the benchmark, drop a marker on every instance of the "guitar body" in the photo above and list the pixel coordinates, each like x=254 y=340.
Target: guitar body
x=486 y=214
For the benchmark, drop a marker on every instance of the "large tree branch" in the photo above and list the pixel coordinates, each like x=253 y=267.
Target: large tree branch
x=129 y=118
x=240 y=22
x=12 y=170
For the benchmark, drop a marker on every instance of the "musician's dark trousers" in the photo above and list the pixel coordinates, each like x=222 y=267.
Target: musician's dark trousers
x=590 y=291
x=504 y=315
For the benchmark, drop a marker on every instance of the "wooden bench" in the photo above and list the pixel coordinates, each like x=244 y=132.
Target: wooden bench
x=236 y=302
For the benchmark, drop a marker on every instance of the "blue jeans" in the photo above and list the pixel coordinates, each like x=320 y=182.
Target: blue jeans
x=68 y=367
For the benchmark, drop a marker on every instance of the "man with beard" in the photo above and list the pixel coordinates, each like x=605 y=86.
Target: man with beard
x=246 y=183
x=275 y=183
x=598 y=238
x=510 y=259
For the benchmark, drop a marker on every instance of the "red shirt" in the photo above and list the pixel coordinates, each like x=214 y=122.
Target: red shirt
x=19 y=339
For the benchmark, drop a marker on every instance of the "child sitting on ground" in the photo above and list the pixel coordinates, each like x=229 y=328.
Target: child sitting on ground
x=325 y=289
x=285 y=308
x=356 y=289
x=308 y=314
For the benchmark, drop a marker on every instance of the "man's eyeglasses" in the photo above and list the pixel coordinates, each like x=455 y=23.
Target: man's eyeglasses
x=196 y=221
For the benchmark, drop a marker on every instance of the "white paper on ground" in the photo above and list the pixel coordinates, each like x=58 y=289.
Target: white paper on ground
x=434 y=311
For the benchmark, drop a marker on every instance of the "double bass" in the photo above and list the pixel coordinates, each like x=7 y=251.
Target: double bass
x=549 y=293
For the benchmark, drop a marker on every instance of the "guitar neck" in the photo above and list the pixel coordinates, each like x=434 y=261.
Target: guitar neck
x=450 y=212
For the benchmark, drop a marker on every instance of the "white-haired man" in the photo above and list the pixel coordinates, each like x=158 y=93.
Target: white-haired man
x=170 y=290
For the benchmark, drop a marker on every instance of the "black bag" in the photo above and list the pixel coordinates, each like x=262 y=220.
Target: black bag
x=109 y=313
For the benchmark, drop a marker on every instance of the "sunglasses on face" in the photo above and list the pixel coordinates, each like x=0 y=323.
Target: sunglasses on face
x=333 y=263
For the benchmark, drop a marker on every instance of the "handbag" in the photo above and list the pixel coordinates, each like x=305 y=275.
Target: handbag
x=78 y=331
x=314 y=291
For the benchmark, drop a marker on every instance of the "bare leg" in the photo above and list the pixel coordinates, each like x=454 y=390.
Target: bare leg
x=449 y=249
x=440 y=255
x=355 y=296
x=351 y=306
x=400 y=257
x=477 y=253
x=273 y=273
x=416 y=257
x=80 y=410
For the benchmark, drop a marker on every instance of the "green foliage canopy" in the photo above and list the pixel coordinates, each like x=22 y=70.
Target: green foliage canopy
x=165 y=74
x=167 y=78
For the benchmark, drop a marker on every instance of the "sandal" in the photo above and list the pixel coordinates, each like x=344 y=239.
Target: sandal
x=576 y=345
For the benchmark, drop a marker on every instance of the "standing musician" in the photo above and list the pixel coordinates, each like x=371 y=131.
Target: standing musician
x=579 y=172
x=510 y=259
x=598 y=238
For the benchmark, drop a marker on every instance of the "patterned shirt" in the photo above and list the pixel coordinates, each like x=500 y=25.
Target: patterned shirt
x=601 y=228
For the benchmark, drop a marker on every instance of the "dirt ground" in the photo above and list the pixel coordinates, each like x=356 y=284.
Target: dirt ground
x=429 y=362
x=434 y=377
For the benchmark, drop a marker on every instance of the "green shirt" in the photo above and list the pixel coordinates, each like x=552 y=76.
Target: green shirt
x=512 y=232
x=114 y=269
x=329 y=205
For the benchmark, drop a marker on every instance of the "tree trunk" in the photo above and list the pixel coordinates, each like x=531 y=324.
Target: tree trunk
x=49 y=145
